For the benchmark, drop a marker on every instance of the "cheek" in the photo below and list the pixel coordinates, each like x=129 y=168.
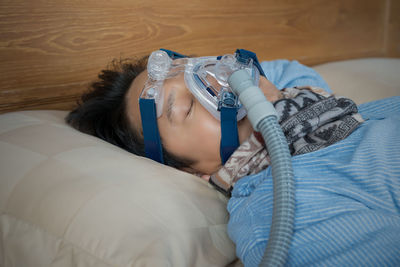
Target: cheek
x=206 y=124
x=201 y=134
x=196 y=139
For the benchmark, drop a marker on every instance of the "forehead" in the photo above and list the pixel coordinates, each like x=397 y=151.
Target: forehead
x=132 y=100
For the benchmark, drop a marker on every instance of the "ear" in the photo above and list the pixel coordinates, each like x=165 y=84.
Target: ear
x=194 y=172
x=269 y=89
x=205 y=177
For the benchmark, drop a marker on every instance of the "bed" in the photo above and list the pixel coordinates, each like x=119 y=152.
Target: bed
x=70 y=199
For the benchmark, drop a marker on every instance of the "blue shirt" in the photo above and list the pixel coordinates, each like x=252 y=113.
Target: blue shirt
x=347 y=199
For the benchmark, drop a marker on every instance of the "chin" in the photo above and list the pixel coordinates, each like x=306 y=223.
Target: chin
x=245 y=129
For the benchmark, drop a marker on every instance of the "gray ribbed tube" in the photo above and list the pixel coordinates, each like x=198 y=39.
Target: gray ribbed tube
x=264 y=119
x=281 y=231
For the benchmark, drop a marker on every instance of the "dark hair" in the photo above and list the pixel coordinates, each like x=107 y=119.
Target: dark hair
x=102 y=110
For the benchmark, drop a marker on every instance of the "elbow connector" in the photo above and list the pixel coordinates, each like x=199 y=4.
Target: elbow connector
x=251 y=97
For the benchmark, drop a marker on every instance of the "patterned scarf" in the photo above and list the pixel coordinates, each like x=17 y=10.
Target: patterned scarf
x=310 y=118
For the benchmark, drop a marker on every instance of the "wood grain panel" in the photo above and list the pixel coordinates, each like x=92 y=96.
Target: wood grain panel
x=50 y=51
x=392 y=45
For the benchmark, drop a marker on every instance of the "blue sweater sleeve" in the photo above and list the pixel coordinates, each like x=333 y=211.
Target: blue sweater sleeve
x=284 y=73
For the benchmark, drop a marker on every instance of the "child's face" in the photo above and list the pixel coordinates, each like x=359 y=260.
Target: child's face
x=186 y=128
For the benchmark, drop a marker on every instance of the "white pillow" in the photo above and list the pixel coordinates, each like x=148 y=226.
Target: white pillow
x=70 y=199
x=363 y=80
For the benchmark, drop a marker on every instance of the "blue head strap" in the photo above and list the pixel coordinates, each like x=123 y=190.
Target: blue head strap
x=151 y=135
x=229 y=130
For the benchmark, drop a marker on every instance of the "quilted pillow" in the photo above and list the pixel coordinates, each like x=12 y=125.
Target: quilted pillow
x=70 y=199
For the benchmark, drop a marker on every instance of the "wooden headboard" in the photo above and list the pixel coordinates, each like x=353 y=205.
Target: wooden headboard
x=51 y=50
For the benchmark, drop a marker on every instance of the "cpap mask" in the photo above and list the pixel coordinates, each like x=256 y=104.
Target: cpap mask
x=217 y=83
x=207 y=80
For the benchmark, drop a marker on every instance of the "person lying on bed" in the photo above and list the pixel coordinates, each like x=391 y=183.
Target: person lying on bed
x=110 y=111
x=347 y=189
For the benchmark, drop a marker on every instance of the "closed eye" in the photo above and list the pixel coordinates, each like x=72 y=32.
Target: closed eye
x=190 y=108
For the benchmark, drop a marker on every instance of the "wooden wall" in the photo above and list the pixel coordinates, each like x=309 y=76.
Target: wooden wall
x=51 y=50
x=392 y=29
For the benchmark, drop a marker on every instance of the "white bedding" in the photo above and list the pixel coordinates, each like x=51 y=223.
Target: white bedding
x=69 y=199
x=363 y=80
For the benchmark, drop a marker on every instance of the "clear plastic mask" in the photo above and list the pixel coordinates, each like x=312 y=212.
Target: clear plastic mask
x=205 y=77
